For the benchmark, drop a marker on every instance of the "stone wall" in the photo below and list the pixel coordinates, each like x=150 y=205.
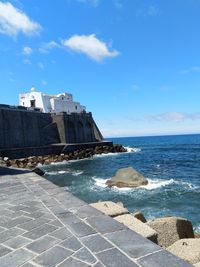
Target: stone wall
x=77 y=128
x=23 y=128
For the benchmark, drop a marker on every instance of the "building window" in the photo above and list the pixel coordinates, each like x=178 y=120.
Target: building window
x=32 y=102
x=76 y=107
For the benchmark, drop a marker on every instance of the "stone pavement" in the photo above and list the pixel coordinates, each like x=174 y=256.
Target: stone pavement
x=43 y=225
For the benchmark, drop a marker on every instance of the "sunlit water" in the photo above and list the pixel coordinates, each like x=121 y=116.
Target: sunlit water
x=170 y=163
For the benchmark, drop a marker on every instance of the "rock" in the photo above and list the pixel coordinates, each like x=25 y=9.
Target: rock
x=120 y=204
x=2 y=163
x=197 y=235
x=127 y=177
x=38 y=171
x=187 y=249
x=197 y=264
x=137 y=226
x=139 y=215
x=110 y=208
x=171 y=229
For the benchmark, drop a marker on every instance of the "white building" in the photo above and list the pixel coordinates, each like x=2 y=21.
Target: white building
x=50 y=103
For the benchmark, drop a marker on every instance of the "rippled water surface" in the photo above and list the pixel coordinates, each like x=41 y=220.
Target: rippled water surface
x=171 y=164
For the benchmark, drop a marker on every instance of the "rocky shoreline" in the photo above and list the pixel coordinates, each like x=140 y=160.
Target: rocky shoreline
x=174 y=234
x=34 y=161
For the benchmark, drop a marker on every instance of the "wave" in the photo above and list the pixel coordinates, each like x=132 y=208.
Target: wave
x=129 y=150
x=152 y=184
x=132 y=149
x=56 y=172
x=105 y=155
x=59 y=162
x=76 y=173
x=100 y=182
x=197 y=229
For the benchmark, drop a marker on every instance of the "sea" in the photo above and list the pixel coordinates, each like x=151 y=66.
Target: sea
x=170 y=163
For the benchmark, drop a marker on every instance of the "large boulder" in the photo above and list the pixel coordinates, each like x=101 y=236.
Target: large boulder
x=171 y=229
x=187 y=249
x=110 y=208
x=137 y=226
x=127 y=177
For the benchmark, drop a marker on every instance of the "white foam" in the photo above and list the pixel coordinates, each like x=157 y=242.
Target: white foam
x=152 y=184
x=62 y=172
x=76 y=173
x=187 y=185
x=59 y=163
x=100 y=182
x=132 y=149
x=197 y=229
x=51 y=173
x=105 y=155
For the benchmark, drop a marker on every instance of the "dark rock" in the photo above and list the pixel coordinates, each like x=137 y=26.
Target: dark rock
x=38 y=171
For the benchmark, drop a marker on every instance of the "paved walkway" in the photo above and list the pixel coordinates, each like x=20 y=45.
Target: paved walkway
x=43 y=225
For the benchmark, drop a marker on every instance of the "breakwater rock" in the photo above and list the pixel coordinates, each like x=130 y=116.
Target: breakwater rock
x=127 y=177
x=171 y=233
x=34 y=161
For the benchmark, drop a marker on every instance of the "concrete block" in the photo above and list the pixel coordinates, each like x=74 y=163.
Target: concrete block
x=110 y=208
x=187 y=249
x=137 y=226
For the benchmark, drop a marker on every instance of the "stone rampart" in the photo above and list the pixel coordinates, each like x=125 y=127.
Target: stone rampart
x=32 y=131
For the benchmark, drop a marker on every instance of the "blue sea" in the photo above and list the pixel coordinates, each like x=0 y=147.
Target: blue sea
x=170 y=163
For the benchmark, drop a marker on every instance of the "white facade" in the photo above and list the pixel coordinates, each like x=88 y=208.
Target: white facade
x=50 y=103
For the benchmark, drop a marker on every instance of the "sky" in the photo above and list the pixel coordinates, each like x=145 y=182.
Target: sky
x=135 y=64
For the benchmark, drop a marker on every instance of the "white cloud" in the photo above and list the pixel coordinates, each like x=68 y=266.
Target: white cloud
x=94 y=3
x=118 y=3
x=40 y=65
x=14 y=21
x=44 y=82
x=148 y=11
x=166 y=88
x=45 y=48
x=174 y=117
x=135 y=87
x=90 y=46
x=27 y=50
x=27 y=62
x=195 y=69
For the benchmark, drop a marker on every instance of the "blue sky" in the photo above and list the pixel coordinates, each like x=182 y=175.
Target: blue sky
x=134 y=63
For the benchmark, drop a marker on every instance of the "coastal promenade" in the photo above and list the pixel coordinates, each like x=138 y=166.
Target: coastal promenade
x=41 y=224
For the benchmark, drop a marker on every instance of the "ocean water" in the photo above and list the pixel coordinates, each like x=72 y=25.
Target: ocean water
x=170 y=163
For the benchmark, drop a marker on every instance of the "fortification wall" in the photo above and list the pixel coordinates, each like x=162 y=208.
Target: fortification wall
x=77 y=128
x=22 y=128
